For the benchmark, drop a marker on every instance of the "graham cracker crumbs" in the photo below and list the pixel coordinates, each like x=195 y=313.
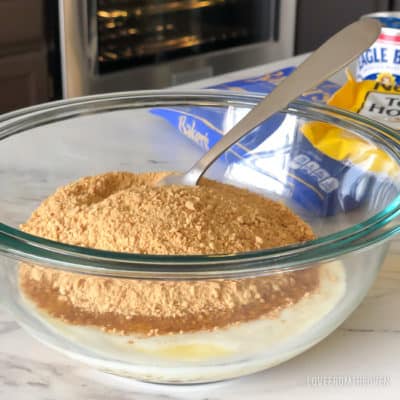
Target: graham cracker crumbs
x=127 y=212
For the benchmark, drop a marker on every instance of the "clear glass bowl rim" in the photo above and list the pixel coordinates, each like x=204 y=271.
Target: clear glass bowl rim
x=29 y=248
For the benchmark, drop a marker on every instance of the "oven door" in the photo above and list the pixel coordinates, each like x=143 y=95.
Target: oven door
x=113 y=45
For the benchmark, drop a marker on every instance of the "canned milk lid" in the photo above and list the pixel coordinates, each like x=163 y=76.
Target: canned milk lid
x=386 y=18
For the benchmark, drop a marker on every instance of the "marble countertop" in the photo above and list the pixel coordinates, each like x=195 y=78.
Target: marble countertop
x=361 y=358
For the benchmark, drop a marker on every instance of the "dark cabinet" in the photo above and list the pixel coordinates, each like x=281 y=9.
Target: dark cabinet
x=317 y=20
x=24 y=77
x=23 y=80
x=21 y=25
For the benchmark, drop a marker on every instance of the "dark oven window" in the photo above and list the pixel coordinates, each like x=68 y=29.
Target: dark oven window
x=142 y=32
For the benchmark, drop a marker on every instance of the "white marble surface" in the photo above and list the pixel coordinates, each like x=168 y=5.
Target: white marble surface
x=366 y=348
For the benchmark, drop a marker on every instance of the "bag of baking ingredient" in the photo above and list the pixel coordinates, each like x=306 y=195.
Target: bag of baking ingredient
x=376 y=99
x=355 y=162
x=326 y=175
x=205 y=125
x=265 y=84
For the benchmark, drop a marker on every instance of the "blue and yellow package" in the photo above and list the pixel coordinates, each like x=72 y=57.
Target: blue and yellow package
x=265 y=84
x=205 y=126
x=325 y=176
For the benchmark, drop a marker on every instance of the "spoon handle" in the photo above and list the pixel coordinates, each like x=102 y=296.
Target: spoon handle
x=333 y=55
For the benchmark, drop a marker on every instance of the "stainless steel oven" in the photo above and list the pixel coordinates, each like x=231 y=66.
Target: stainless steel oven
x=111 y=45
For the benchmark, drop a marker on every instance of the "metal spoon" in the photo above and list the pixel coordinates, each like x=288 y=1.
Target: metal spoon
x=333 y=55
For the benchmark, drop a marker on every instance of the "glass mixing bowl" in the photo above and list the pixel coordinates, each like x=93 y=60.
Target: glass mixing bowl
x=353 y=215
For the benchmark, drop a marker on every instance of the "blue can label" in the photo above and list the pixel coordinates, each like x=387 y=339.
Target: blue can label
x=383 y=57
